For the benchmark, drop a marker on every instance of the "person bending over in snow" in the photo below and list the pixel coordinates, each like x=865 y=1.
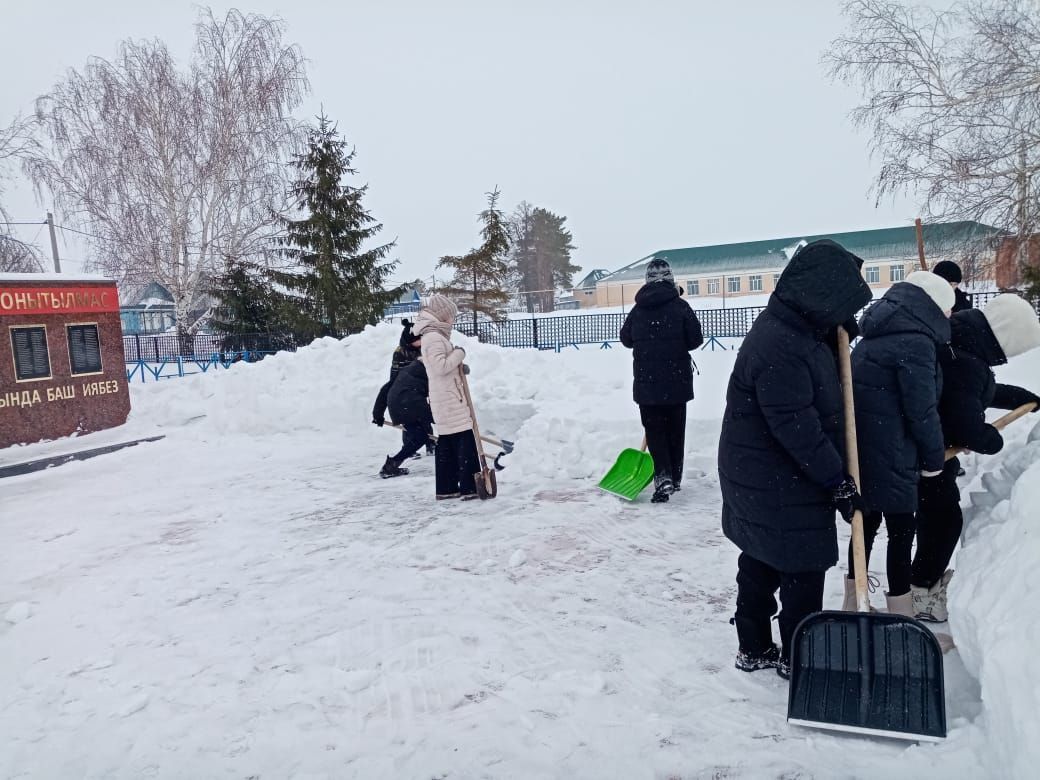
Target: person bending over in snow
x=896 y=380
x=1005 y=328
x=409 y=407
x=404 y=355
x=661 y=330
x=456 y=456
x=781 y=467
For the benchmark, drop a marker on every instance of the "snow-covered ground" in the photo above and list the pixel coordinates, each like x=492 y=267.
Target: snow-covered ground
x=245 y=598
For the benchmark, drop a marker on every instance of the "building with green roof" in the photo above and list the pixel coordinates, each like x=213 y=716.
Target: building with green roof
x=753 y=267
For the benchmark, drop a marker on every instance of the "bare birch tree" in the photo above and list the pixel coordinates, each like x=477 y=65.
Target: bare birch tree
x=172 y=171
x=952 y=101
x=16 y=256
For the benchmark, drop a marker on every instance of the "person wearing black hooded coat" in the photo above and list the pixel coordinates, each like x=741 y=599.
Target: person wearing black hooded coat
x=781 y=468
x=405 y=354
x=661 y=330
x=896 y=385
x=980 y=340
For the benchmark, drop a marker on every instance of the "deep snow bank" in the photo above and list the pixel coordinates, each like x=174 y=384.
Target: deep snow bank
x=570 y=412
x=995 y=599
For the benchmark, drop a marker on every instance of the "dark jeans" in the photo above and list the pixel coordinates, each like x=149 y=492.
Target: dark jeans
x=413 y=439
x=665 y=428
x=939 y=524
x=900 y=527
x=455 y=463
x=801 y=594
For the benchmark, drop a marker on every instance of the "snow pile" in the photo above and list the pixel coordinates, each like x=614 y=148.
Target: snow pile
x=995 y=600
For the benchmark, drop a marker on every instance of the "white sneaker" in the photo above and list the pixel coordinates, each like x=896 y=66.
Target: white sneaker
x=929 y=604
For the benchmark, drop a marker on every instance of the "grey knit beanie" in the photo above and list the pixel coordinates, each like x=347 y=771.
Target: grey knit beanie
x=658 y=270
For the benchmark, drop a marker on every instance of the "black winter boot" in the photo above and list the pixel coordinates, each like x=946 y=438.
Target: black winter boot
x=752 y=662
x=663 y=488
x=391 y=469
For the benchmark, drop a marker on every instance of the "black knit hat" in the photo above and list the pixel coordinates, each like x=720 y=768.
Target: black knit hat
x=407 y=337
x=949 y=271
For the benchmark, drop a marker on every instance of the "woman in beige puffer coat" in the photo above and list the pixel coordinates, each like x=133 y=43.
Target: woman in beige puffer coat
x=456 y=456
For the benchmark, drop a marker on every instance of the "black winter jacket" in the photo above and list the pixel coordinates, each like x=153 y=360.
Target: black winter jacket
x=896 y=384
x=408 y=396
x=661 y=330
x=962 y=301
x=404 y=355
x=783 y=429
x=969 y=387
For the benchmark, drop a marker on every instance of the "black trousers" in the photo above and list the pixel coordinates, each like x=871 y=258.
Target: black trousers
x=413 y=439
x=801 y=594
x=665 y=428
x=900 y=527
x=939 y=524
x=455 y=463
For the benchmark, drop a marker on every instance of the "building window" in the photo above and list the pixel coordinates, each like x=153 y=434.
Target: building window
x=713 y=287
x=733 y=284
x=693 y=287
x=31 y=360
x=84 y=349
x=776 y=280
x=896 y=273
x=755 y=283
x=873 y=274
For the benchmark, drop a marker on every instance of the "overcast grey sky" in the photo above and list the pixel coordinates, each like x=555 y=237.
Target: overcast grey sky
x=650 y=125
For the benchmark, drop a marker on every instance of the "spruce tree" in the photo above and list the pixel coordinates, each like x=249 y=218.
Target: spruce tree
x=337 y=286
x=481 y=274
x=541 y=261
x=249 y=313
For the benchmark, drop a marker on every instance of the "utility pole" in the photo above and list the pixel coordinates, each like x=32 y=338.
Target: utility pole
x=54 y=243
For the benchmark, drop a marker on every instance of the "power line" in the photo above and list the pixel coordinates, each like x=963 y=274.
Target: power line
x=44 y=222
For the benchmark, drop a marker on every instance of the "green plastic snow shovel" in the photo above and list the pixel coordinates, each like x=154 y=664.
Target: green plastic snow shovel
x=631 y=473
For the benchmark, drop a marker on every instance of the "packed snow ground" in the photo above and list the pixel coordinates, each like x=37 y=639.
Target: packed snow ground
x=247 y=599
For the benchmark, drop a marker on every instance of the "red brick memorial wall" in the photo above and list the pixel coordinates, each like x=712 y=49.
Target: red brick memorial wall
x=62 y=368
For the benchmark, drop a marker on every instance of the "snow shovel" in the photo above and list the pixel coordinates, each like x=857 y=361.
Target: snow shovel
x=504 y=444
x=865 y=672
x=485 y=480
x=631 y=473
x=1001 y=424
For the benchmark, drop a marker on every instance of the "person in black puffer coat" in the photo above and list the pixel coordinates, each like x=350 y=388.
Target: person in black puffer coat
x=896 y=386
x=951 y=272
x=781 y=467
x=406 y=352
x=1005 y=328
x=409 y=405
x=661 y=330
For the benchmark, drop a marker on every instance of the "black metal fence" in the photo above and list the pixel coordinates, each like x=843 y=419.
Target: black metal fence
x=530 y=332
x=170 y=346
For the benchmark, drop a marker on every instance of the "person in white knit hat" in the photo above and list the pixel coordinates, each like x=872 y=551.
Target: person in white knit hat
x=455 y=460
x=1007 y=327
x=896 y=379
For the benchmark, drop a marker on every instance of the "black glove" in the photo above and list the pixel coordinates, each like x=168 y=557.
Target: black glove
x=847 y=499
x=465 y=369
x=852 y=328
x=1035 y=399
x=377 y=421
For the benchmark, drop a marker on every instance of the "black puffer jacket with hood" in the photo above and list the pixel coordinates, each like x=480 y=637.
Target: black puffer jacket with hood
x=661 y=330
x=896 y=384
x=780 y=451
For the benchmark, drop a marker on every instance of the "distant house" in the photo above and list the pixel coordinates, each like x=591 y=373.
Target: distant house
x=148 y=312
x=753 y=267
x=409 y=301
x=584 y=292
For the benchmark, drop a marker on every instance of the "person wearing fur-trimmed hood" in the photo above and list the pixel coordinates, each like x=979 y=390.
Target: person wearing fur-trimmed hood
x=456 y=459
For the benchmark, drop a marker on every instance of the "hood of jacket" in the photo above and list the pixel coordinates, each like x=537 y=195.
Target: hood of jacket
x=822 y=284
x=656 y=294
x=906 y=308
x=427 y=322
x=970 y=331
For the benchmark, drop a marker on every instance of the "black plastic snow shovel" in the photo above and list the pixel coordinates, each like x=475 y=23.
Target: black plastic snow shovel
x=485 y=480
x=863 y=672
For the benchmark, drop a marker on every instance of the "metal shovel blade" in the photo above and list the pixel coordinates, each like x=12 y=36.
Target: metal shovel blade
x=631 y=473
x=867 y=673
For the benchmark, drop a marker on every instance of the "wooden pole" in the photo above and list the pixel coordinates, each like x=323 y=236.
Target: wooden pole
x=859 y=549
x=920 y=244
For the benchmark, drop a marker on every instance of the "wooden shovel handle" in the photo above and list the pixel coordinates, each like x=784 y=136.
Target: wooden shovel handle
x=920 y=244
x=1000 y=424
x=859 y=550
